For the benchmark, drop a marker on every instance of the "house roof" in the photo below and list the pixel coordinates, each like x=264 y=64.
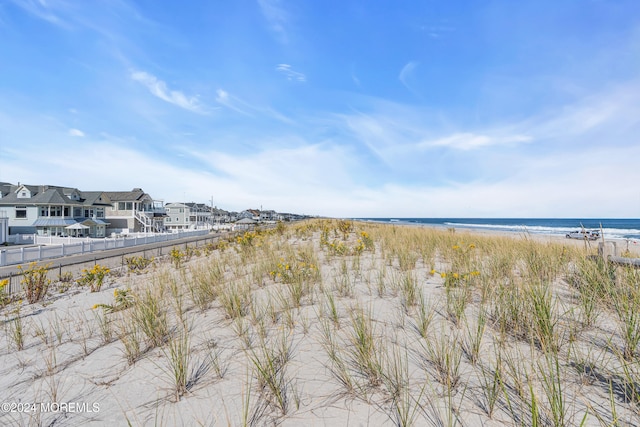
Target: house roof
x=53 y=222
x=51 y=195
x=246 y=221
x=134 y=195
x=40 y=195
x=95 y=198
x=91 y=221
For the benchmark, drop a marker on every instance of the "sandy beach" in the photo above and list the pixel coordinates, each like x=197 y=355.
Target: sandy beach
x=333 y=323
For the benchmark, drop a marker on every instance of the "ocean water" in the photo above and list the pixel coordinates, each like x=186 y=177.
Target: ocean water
x=612 y=228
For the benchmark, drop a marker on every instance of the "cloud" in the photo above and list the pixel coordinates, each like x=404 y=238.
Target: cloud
x=43 y=10
x=290 y=74
x=76 y=132
x=471 y=141
x=437 y=31
x=159 y=88
x=276 y=16
x=231 y=102
x=406 y=72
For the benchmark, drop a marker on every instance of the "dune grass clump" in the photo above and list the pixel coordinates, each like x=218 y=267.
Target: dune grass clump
x=138 y=264
x=178 y=356
x=35 y=282
x=16 y=328
x=364 y=348
x=4 y=297
x=270 y=362
x=94 y=277
x=150 y=317
x=205 y=282
x=391 y=324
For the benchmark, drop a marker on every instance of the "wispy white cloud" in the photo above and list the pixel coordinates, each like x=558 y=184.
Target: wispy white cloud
x=231 y=102
x=276 y=16
x=406 y=73
x=76 y=132
x=437 y=31
x=159 y=88
x=470 y=141
x=45 y=10
x=290 y=74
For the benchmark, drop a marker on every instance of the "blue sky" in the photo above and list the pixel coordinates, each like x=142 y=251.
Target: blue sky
x=347 y=108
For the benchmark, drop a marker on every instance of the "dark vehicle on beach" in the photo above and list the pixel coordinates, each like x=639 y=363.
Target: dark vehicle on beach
x=584 y=235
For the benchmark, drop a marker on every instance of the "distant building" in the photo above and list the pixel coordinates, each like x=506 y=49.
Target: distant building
x=53 y=211
x=134 y=211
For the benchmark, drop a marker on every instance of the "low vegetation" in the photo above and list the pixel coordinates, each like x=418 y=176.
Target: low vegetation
x=340 y=320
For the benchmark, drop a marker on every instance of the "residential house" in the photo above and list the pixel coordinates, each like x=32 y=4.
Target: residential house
x=53 y=211
x=219 y=216
x=245 y=224
x=268 y=215
x=179 y=216
x=202 y=214
x=253 y=214
x=134 y=211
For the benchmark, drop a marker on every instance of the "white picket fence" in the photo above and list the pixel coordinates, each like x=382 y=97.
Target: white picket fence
x=54 y=247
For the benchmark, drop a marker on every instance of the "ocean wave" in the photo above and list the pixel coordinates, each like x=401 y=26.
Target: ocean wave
x=613 y=233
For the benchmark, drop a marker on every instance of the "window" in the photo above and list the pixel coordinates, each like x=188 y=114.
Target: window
x=77 y=212
x=66 y=211
x=89 y=213
x=168 y=219
x=44 y=211
x=100 y=212
x=55 y=211
x=21 y=212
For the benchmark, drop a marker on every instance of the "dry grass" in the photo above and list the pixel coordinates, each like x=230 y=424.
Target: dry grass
x=407 y=326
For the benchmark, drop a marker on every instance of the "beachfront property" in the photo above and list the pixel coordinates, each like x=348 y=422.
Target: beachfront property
x=220 y=216
x=49 y=210
x=181 y=216
x=53 y=211
x=135 y=211
x=253 y=214
x=270 y=215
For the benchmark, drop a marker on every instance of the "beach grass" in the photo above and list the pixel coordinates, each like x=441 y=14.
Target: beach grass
x=353 y=322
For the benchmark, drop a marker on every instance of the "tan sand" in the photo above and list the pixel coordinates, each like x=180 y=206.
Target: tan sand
x=66 y=359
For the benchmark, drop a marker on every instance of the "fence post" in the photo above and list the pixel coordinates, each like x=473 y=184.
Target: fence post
x=3 y=257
